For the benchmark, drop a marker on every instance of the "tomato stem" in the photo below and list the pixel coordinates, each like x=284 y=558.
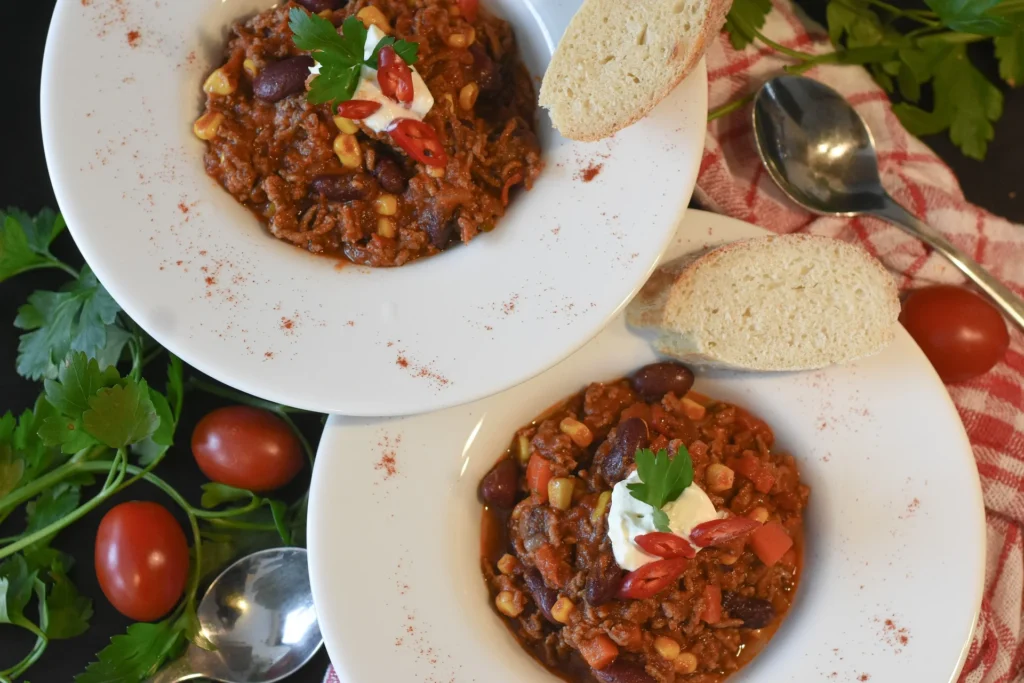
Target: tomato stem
x=238 y=397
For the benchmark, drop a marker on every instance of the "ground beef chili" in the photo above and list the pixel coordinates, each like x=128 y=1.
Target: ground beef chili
x=278 y=157
x=549 y=565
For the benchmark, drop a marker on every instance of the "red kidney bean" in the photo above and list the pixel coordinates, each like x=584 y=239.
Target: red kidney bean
x=441 y=230
x=542 y=595
x=755 y=612
x=630 y=435
x=623 y=672
x=488 y=74
x=317 y=6
x=281 y=79
x=390 y=175
x=603 y=581
x=344 y=187
x=500 y=486
x=655 y=380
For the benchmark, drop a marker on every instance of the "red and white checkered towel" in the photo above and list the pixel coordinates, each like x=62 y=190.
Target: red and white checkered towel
x=732 y=181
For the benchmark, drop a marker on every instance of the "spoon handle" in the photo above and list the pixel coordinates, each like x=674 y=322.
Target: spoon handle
x=175 y=672
x=1011 y=304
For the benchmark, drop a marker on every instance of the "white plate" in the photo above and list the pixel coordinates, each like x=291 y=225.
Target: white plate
x=895 y=526
x=200 y=274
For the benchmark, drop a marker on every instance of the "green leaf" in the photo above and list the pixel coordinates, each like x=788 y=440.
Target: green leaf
x=78 y=380
x=404 y=49
x=333 y=85
x=661 y=479
x=215 y=494
x=153 y=447
x=909 y=86
x=12 y=465
x=279 y=510
x=971 y=16
x=121 y=415
x=15 y=589
x=67 y=433
x=52 y=505
x=175 y=385
x=25 y=241
x=313 y=33
x=137 y=654
x=1010 y=51
x=69 y=612
x=744 y=18
x=661 y=520
x=80 y=317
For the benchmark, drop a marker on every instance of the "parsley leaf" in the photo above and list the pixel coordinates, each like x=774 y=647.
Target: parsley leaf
x=82 y=316
x=53 y=504
x=78 y=380
x=1010 y=51
x=661 y=480
x=25 y=241
x=279 y=511
x=745 y=17
x=15 y=589
x=215 y=494
x=68 y=433
x=69 y=612
x=155 y=445
x=404 y=49
x=971 y=16
x=121 y=415
x=137 y=654
x=12 y=466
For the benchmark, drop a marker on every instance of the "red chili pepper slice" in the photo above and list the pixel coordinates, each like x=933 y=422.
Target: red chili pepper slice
x=357 y=109
x=394 y=75
x=419 y=140
x=469 y=8
x=651 y=579
x=719 y=531
x=661 y=544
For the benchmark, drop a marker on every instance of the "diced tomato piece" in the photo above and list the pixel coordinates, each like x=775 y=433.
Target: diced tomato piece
x=753 y=469
x=721 y=531
x=419 y=140
x=394 y=75
x=712 y=612
x=770 y=543
x=357 y=109
x=469 y=9
x=599 y=652
x=651 y=579
x=756 y=425
x=538 y=474
x=549 y=565
x=661 y=544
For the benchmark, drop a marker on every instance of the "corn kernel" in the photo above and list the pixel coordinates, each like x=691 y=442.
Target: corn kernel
x=685 y=663
x=523 y=448
x=326 y=14
x=468 y=95
x=372 y=16
x=507 y=564
x=347 y=126
x=435 y=171
x=220 y=83
x=206 y=125
x=601 y=507
x=577 y=431
x=666 y=647
x=560 y=492
x=758 y=514
x=347 y=148
x=719 y=478
x=386 y=205
x=460 y=40
x=507 y=604
x=728 y=560
x=454 y=11
x=385 y=227
x=250 y=68
x=562 y=610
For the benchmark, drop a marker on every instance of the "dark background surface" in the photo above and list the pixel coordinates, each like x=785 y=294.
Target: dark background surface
x=992 y=184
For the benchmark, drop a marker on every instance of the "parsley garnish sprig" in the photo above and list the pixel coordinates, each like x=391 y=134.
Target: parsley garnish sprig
x=662 y=480
x=917 y=54
x=340 y=56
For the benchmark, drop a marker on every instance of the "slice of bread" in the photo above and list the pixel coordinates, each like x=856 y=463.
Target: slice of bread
x=619 y=58
x=793 y=302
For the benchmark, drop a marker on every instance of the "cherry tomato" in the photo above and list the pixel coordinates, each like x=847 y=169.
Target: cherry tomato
x=469 y=9
x=962 y=334
x=394 y=75
x=357 y=109
x=247 y=448
x=419 y=140
x=661 y=544
x=651 y=579
x=721 y=531
x=141 y=560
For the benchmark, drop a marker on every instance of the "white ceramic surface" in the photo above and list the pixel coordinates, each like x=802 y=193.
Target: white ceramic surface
x=120 y=90
x=895 y=526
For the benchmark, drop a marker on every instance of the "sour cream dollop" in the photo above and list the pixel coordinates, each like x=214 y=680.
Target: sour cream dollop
x=369 y=89
x=629 y=518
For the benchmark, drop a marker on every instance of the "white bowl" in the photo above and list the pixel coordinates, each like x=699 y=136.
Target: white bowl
x=120 y=91
x=894 y=529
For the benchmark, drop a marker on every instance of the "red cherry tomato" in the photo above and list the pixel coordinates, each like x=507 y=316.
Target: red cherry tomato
x=419 y=140
x=394 y=75
x=661 y=544
x=651 y=579
x=357 y=109
x=469 y=9
x=962 y=334
x=247 y=448
x=721 y=531
x=141 y=560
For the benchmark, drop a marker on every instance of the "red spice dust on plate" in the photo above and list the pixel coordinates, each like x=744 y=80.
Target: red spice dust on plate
x=589 y=173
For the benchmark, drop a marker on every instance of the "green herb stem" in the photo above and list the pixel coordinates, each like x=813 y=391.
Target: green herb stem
x=254 y=504
x=779 y=47
x=51 y=478
x=951 y=38
x=237 y=396
x=37 y=651
x=248 y=526
x=730 y=107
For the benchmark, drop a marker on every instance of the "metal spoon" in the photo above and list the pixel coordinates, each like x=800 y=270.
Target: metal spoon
x=259 y=614
x=820 y=153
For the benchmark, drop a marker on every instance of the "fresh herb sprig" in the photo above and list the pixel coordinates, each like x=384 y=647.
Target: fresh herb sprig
x=661 y=480
x=912 y=53
x=340 y=56
x=98 y=427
